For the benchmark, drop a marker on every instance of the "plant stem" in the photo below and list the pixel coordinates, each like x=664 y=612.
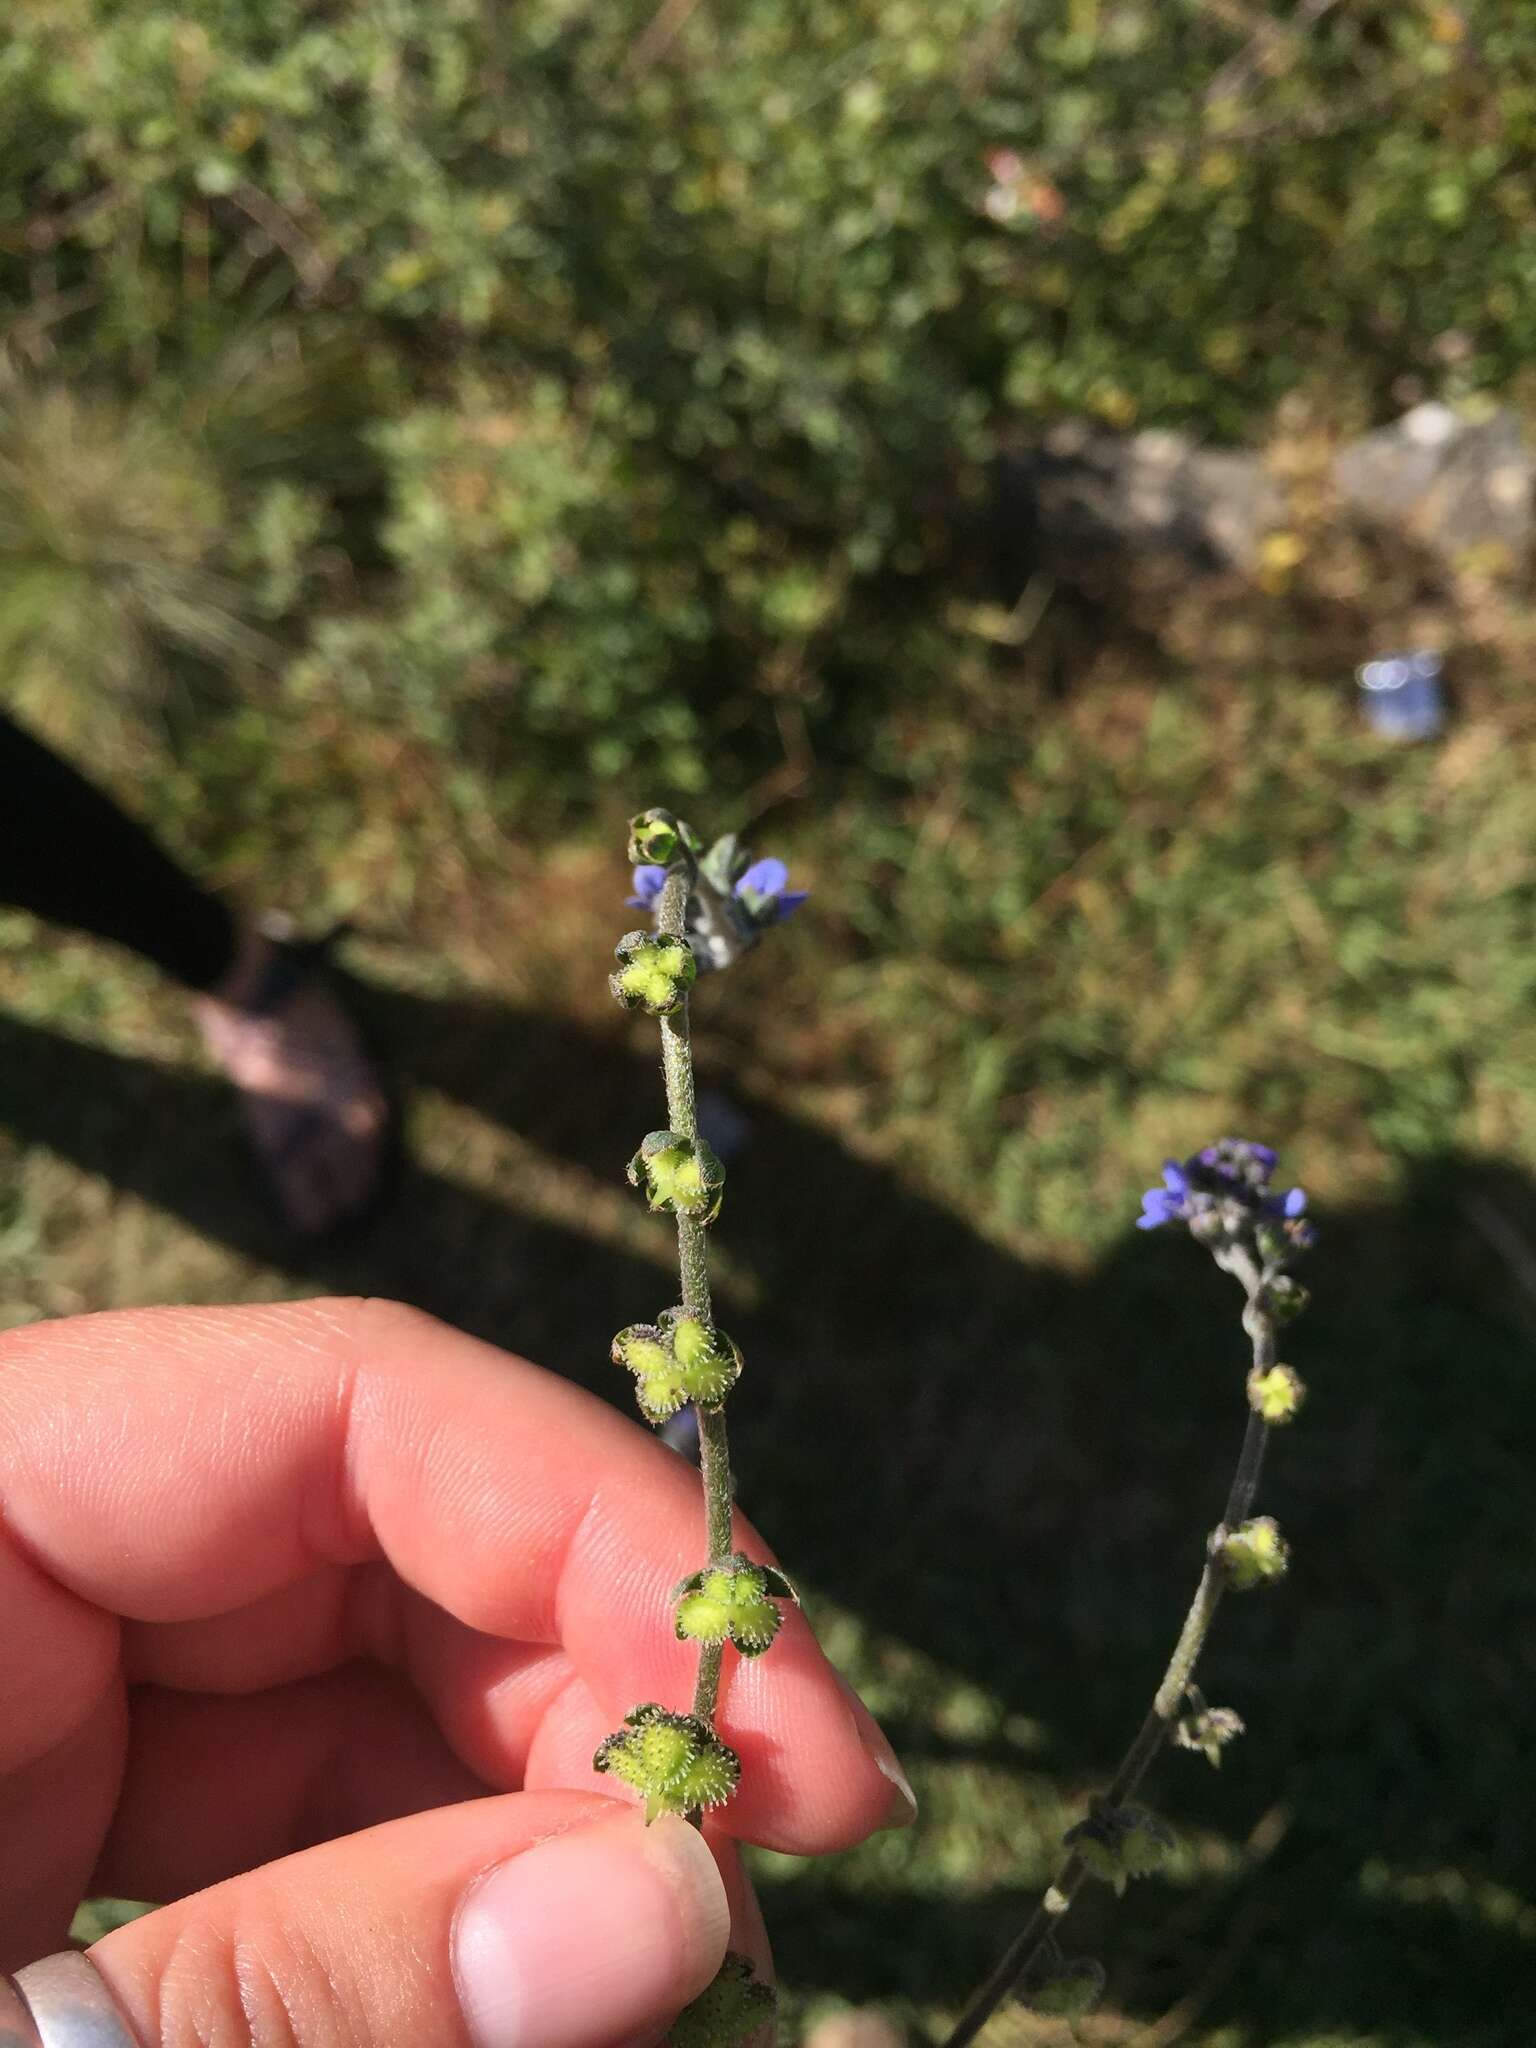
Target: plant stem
x=693 y=1264
x=715 y=1466
x=1040 y=1929
x=682 y=1109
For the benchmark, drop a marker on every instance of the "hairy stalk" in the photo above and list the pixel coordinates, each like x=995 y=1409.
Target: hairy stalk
x=1039 y=1931
x=682 y=1109
x=693 y=1264
x=676 y=1762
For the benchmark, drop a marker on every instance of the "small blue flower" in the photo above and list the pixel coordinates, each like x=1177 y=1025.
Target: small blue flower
x=1298 y=1226
x=732 y=900
x=1237 y=1160
x=1158 y=1206
x=649 y=883
x=763 y=892
x=1224 y=1189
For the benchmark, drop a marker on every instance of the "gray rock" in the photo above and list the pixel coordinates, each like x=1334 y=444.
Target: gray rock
x=1152 y=493
x=1450 y=482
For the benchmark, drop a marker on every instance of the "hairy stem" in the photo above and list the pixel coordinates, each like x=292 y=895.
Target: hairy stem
x=1039 y=1931
x=693 y=1264
x=682 y=1109
x=715 y=1465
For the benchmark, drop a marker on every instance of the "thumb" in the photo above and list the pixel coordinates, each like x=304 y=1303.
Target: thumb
x=540 y=1920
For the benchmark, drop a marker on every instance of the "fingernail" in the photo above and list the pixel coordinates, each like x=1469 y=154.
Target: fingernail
x=602 y=1934
x=854 y=2030
x=902 y=1810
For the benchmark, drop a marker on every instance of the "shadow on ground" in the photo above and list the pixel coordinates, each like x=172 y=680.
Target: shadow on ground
x=1010 y=1470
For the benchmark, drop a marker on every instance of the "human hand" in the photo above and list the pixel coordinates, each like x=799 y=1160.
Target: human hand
x=282 y=1588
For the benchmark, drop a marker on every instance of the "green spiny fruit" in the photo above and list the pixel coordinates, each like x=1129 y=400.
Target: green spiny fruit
x=1276 y=1394
x=1254 y=1554
x=727 y=2011
x=1207 y=1730
x=660 y=1390
x=710 y=1362
x=654 y=975
x=674 y=1761
x=710 y=1779
x=680 y=1176
x=1119 y=1842
x=733 y=1602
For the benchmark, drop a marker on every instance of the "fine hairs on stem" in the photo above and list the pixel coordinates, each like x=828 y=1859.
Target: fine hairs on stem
x=693 y=1267
x=1222 y=1196
x=709 y=908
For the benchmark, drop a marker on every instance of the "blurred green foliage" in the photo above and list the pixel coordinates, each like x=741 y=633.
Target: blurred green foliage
x=677 y=344
x=1153 y=907
x=608 y=400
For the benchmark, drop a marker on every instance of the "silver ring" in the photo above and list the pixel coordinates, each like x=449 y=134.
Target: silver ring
x=16 y=2028
x=69 y=2005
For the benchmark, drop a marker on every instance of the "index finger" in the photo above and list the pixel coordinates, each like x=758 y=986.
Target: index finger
x=172 y=1465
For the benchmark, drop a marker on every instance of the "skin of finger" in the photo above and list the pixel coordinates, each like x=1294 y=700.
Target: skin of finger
x=323 y=1433
x=52 y=1812
x=215 y=1786
x=62 y=1740
x=345 y=1942
x=488 y=1694
x=749 y=1932
x=296 y=1631
x=511 y=1712
x=517 y=1714
x=60 y=1657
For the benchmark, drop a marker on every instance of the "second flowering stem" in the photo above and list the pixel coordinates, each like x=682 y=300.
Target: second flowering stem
x=1240 y=1553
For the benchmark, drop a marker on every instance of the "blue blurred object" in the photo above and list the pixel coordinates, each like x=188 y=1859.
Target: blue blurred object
x=1402 y=694
x=680 y=1433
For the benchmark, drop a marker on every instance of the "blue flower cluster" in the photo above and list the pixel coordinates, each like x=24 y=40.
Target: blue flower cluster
x=1224 y=1185
x=762 y=891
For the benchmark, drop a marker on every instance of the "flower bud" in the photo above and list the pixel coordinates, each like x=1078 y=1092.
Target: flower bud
x=1068 y=1991
x=1271 y=1241
x=1254 y=1554
x=657 y=839
x=655 y=974
x=675 y=1761
x=733 y=2008
x=1117 y=1843
x=733 y=1602
x=1284 y=1298
x=680 y=1176
x=1276 y=1394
